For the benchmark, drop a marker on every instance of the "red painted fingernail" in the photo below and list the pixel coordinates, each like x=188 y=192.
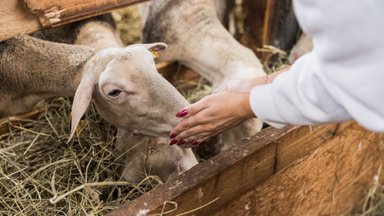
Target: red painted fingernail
x=195 y=142
x=181 y=142
x=172 y=142
x=172 y=136
x=182 y=113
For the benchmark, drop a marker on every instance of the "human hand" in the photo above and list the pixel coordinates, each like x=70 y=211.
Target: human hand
x=210 y=116
x=217 y=112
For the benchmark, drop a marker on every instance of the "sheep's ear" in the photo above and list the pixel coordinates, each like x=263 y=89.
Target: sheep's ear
x=81 y=102
x=159 y=46
x=155 y=48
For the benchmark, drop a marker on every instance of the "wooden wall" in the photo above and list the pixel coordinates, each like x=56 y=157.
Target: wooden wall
x=330 y=181
x=292 y=171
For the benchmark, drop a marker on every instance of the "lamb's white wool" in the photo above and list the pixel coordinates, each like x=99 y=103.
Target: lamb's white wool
x=142 y=212
x=32 y=70
x=146 y=91
x=239 y=70
x=130 y=96
x=303 y=46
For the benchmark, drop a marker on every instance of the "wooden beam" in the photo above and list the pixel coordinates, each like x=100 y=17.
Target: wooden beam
x=234 y=172
x=58 y=12
x=18 y=17
x=269 y=22
x=15 y=20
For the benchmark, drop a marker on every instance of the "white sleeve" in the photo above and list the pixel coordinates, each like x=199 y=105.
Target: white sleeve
x=341 y=79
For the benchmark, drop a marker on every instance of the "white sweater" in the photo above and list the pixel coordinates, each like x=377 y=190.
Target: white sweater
x=341 y=79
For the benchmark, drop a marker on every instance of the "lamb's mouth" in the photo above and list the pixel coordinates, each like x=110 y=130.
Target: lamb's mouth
x=137 y=132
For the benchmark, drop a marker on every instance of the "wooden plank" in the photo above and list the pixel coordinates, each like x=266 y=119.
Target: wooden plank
x=15 y=20
x=204 y=175
x=330 y=181
x=18 y=17
x=226 y=176
x=302 y=142
x=57 y=12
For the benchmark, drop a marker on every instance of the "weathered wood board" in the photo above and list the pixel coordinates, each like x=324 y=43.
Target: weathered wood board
x=22 y=17
x=330 y=181
x=296 y=170
x=14 y=19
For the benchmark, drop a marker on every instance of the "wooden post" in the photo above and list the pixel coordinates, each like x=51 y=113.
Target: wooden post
x=14 y=20
x=269 y=22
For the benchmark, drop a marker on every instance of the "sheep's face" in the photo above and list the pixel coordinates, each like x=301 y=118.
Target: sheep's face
x=130 y=93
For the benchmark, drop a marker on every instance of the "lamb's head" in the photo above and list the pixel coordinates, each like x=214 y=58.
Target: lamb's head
x=128 y=90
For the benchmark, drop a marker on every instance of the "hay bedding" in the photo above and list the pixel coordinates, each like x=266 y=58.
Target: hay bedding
x=38 y=166
x=42 y=174
x=373 y=204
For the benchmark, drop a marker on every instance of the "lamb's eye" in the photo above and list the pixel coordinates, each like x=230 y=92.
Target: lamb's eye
x=114 y=93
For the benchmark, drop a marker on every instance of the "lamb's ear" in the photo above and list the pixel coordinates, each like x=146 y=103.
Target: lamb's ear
x=81 y=101
x=155 y=48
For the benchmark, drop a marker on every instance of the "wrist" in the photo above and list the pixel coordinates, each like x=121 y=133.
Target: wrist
x=247 y=111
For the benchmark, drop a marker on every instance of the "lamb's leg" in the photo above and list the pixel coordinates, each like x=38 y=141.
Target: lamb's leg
x=244 y=131
x=229 y=138
x=140 y=156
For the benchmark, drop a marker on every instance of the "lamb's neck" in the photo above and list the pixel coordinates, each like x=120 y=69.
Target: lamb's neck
x=217 y=56
x=32 y=66
x=241 y=70
x=98 y=35
x=218 y=72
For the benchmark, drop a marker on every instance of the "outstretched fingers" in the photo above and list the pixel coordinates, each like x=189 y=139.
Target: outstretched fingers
x=189 y=126
x=191 y=140
x=193 y=133
x=190 y=120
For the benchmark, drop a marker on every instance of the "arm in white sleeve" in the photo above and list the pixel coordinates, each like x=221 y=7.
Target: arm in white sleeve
x=341 y=79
